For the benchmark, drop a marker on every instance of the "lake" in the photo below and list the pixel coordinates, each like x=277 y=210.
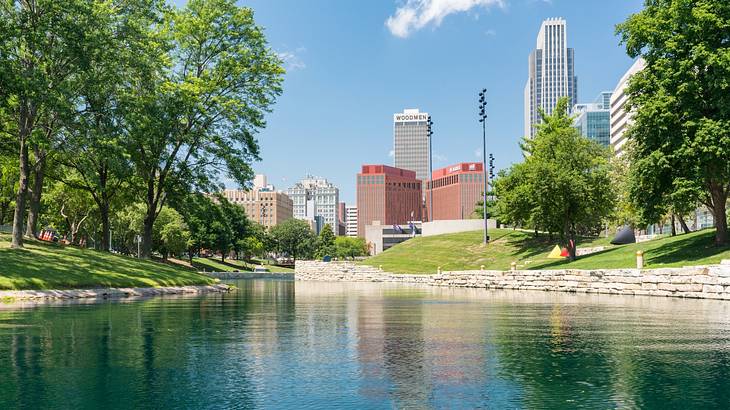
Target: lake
x=286 y=344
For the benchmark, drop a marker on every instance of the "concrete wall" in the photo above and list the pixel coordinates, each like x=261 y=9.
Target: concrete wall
x=456 y=225
x=706 y=282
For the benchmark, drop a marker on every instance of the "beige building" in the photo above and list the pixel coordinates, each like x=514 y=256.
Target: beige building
x=620 y=115
x=269 y=208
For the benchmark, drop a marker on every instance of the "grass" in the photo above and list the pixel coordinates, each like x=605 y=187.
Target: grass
x=43 y=265
x=464 y=251
x=233 y=265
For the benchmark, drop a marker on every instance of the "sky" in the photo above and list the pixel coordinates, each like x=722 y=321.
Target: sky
x=352 y=64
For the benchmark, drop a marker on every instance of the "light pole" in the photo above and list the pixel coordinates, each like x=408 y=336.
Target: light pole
x=430 y=170
x=483 y=120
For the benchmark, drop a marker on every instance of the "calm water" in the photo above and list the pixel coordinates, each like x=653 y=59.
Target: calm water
x=281 y=344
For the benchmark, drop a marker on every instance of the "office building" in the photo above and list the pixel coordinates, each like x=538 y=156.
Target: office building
x=551 y=73
x=351 y=220
x=267 y=207
x=593 y=120
x=456 y=191
x=388 y=196
x=313 y=197
x=410 y=142
x=620 y=116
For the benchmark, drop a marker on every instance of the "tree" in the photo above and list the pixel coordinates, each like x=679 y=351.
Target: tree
x=347 y=247
x=44 y=45
x=294 y=238
x=236 y=219
x=171 y=234
x=67 y=208
x=325 y=242
x=196 y=117
x=681 y=103
x=564 y=180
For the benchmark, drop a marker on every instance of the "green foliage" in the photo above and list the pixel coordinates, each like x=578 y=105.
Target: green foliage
x=680 y=137
x=349 y=247
x=170 y=234
x=294 y=238
x=325 y=242
x=564 y=184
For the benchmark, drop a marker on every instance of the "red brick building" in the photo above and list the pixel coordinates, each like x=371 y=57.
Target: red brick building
x=456 y=190
x=387 y=194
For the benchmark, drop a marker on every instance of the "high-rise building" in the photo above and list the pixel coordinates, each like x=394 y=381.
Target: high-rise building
x=551 y=73
x=410 y=142
x=391 y=196
x=456 y=191
x=313 y=197
x=620 y=116
x=267 y=207
x=593 y=120
x=351 y=220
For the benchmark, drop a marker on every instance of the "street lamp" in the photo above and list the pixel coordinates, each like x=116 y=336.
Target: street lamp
x=430 y=170
x=483 y=120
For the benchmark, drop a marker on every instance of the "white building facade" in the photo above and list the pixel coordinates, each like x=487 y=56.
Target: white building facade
x=351 y=220
x=551 y=73
x=620 y=116
x=410 y=142
x=314 y=198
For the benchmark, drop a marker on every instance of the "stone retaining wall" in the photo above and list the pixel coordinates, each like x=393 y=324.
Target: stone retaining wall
x=708 y=282
x=248 y=275
x=106 y=293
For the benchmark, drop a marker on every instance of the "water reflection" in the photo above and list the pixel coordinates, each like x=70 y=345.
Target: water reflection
x=280 y=344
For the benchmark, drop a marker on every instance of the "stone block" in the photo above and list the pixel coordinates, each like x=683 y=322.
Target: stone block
x=705 y=279
x=649 y=286
x=689 y=287
x=666 y=286
x=713 y=289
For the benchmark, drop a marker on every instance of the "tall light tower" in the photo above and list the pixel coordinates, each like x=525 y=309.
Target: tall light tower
x=483 y=120
x=430 y=170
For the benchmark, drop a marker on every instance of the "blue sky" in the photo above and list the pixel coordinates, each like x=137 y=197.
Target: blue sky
x=350 y=68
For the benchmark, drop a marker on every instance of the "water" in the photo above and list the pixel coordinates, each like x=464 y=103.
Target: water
x=281 y=344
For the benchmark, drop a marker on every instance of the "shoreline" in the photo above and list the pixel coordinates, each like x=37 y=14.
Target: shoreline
x=109 y=293
x=697 y=282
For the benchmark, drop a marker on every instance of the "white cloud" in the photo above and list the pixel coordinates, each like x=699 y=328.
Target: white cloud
x=490 y=33
x=391 y=153
x=292 y=60
x=414 y=15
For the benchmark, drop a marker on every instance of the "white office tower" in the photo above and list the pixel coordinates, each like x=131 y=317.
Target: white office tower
x=351 y=220
x=620 y=116
x=551 y=73
x=315 y=197
x=410 y=142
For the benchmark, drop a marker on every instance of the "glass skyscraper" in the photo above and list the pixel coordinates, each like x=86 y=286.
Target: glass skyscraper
x=594 y=120
x=551 y=73
x=410 y=142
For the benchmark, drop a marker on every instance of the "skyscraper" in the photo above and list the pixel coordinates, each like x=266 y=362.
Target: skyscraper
x=391 y=196
x=410 y=142
x=593 y=120
x=620 y=115
x=314 y=198
x=551 y=73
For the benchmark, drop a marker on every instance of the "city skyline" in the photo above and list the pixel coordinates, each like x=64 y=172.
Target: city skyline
x=336 y=111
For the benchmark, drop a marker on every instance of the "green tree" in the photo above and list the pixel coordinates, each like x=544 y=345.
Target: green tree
x=44 y=46
x=68 y=210
x=171 y=234
x=196 y=117
x=294 y=238
x=512 y=189
x=565 y=178
x=681 y=101
x=347 y=247
x=325 y=242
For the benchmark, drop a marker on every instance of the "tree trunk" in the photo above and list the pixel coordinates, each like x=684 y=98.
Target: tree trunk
x=685 y=228
x=572 y=245
x=105 y=226
x=674 y=228
x=19 y=215
x=34 y=206
x=719 y=204
x=149 y=221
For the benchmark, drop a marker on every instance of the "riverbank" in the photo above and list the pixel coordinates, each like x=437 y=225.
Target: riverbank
x=48 y=266
x=701 y=282
x=109 y=293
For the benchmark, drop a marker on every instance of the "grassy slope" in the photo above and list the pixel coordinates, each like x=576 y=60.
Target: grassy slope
x=231 y=265
x=48 y=266
x=465 y=251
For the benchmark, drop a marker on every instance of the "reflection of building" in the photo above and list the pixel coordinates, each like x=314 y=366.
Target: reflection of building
x=410 y=142
x=551 y=73
x=620 y=116
x=456 y=190
x=594 y=120
x=262 y=204
x=351 y=220
x=316 y=197
x=388 y=195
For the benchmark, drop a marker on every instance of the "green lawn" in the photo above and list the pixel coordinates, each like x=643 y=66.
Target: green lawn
x=464 y=251
x=49 y=266
x=232 y=265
